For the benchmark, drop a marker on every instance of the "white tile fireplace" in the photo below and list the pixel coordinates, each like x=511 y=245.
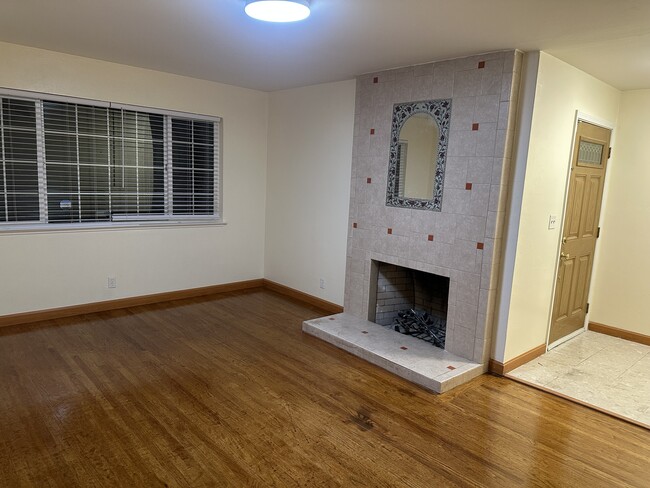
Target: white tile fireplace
x=460 y=243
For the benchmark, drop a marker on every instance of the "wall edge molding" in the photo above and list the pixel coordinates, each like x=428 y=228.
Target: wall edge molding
x=24 y=318
x=501 y=369
x=302 y=296
x=620 y=333
x=103 y=306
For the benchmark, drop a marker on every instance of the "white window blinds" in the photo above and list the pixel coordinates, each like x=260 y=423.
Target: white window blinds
x=19 y=174
x=66 y=163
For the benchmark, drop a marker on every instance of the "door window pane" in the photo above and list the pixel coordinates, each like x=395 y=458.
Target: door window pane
x=590 y=153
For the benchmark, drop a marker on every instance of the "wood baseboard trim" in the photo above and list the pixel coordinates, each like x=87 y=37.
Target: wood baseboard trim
x=501 y=369
x=620 y=333
x=86 y=308
x=496 y=367
x=303 y=297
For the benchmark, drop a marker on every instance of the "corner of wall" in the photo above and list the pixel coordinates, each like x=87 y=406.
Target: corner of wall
x=523 y=126
x=309 y=162
x=560 y=91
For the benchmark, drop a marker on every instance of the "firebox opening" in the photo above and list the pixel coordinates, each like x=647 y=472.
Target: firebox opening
x=409 y=301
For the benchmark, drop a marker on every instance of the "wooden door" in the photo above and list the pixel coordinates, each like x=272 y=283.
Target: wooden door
x=588 y=167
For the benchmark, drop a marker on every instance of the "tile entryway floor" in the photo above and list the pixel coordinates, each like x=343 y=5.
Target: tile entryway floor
x=604 y=372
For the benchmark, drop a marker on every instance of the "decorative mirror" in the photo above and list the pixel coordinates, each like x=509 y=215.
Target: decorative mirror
x=418 y=151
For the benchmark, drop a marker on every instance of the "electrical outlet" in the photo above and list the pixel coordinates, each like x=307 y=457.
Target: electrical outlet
x=322 y=283
x=552 y=222
x=111 y=282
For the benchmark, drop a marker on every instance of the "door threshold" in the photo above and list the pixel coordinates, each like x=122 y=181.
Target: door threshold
x=565 y=339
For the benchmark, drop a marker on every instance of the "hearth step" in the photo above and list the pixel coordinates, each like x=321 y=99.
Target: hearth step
x=415 y=360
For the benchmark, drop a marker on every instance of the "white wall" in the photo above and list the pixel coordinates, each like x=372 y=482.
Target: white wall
x=46 y=270
x=621 y=283
x=561 y=91
x=308 y=188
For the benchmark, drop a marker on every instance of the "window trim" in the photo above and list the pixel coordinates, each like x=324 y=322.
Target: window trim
x=122 y=222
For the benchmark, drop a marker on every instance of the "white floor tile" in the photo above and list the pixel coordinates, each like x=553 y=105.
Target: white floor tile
x=609 y=373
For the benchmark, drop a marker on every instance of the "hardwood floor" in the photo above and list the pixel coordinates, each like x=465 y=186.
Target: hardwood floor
x=227 y=391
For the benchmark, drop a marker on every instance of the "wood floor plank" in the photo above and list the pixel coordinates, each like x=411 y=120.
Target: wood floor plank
x=227 y=391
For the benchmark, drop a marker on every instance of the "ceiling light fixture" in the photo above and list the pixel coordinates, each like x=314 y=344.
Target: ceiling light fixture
x=278 y=10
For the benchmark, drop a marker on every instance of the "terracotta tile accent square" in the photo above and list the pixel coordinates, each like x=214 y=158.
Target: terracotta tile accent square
x=390 y=231
x=375 y=79
x=430 y=237
x=468 y=186
x=479 y=245
x=354 y=225
x=403 y=348
x=372 y=132
x=475 y=126
x=481 y=64
x=450 y=368
x=368 y=180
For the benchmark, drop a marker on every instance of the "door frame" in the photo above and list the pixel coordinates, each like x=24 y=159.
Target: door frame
x=579 y=117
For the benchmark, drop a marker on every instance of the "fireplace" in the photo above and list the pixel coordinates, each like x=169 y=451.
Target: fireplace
x=457 y=239
x=409 y=301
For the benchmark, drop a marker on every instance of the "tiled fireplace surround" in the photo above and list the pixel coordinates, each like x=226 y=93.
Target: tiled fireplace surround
x=463 y=241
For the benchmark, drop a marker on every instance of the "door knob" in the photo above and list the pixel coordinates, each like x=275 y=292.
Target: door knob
x=565 y=256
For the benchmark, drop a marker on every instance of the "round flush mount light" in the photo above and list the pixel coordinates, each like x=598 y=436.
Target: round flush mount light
x=278 y=10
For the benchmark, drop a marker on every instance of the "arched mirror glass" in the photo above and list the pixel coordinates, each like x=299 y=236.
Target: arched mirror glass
x=418 y=151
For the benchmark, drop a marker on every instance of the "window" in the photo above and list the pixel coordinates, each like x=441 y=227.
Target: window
x=63 y=162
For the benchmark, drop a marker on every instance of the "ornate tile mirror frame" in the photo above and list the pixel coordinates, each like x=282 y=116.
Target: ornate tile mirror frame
x=440 y=112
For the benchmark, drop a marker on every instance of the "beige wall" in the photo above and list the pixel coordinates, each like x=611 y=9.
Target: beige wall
x=308 y=189
x=45 y=270
x=621 y=284
x=561 y=91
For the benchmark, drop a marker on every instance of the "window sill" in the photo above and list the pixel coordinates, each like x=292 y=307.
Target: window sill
x=106 y=226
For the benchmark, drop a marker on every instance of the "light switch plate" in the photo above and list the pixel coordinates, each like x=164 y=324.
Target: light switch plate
x=552 y=222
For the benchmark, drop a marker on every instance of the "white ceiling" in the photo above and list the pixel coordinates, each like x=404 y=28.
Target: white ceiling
x=215 y=40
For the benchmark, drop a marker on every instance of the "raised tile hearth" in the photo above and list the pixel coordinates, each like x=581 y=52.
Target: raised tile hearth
x=414 y=360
